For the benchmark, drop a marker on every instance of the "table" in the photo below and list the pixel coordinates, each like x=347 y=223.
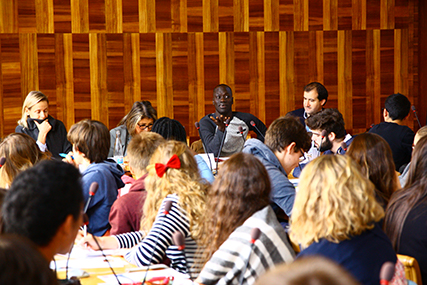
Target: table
x=94 y=263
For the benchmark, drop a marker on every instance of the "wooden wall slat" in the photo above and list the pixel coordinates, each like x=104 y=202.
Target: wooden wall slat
x=29 y=59
x=94 y=58
x=9 y=16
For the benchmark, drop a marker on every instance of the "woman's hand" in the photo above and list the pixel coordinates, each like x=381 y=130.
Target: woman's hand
x=44 y=128
x=107 y=242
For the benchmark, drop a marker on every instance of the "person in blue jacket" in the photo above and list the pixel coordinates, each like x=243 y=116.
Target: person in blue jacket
x=91 y=143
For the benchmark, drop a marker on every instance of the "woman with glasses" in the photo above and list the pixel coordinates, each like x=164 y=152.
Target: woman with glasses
x=140 y=118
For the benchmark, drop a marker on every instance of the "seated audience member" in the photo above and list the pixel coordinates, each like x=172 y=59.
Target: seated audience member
x=398 y=136
x=239 y=201
x=331 y=121
x=335 y=215
x=373 y=154
x=285 y=141
x=126 y=212
x=172 y=176
x=420 y=134
x=315 y=98
x=44 y=204
x=171 y=129
x=312 y=270
x=212 y=126
x=139 y=119
x=91 y=142
x=22 y=264
x=405 y=220
x=36 y=122
x=21 y=152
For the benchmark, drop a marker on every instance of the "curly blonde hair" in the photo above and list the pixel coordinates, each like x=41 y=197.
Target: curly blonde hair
x=185 y=182
x=334 y=201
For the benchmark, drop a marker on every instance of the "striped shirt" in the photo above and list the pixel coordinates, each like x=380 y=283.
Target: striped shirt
x=163 y=228
x=272 y=247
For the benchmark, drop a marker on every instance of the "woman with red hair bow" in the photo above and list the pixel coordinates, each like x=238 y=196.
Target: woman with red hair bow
x=173 y=179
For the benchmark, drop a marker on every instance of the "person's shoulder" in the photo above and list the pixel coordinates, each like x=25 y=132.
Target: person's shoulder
x=298 y=112
x=19 y=129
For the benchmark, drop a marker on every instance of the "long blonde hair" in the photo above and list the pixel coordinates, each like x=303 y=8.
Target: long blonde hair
x=21 y=152
x=334 y=201
x=32 y=99
x=185 y=182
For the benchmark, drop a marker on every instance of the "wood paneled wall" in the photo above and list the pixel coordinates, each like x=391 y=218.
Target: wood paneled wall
x=94 y=58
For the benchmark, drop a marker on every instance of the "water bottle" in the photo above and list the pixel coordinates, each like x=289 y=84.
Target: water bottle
x=118 y=150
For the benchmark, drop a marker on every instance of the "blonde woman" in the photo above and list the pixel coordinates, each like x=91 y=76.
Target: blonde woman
x=335 y=215
x=172 y=176
x=21 y=152
x=36 y=122
x=139 y=119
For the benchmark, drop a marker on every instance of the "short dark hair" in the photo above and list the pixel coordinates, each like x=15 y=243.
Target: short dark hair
x=92 y=138
x=397 y=106
x=285 y=130
x=40 y=199
x=21 y=263
x=322 y=92
x=330 y=120
x=225 y=86
x=170 y=129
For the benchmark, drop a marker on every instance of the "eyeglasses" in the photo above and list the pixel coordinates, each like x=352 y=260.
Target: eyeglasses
x=143 y=127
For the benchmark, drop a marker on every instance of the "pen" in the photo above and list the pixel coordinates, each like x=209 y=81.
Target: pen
x=64 y=155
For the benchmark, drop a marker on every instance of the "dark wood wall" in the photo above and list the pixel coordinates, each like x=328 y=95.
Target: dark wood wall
x=94 y=58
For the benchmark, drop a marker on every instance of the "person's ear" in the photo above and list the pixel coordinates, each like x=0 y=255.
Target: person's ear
x=322 y=102
x=27 y=111
x=290 y=148
x=331 y=136
x=385 y=113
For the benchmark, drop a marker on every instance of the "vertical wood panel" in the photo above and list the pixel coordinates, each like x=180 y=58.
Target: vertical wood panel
x=387 y=14
x=373 y=76
x=114 y=16
x=286 y=72
x=132 y=69
x=80 y=16
x=64 y=78
x=44 y=16
x=330 y=15
x=196 y=86
x=179 y=15
x=359 y=14
x=210 y=16
x=345 y=86
x=271 y=16
x=241 y=15
x=98 y=76
x=401 y=75
x=164 y=75
x=29 y=60
x=301 y=15
x=9 y=16
x=226 y=59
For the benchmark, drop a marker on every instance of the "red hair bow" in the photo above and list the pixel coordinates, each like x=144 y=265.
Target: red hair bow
x=173 y=162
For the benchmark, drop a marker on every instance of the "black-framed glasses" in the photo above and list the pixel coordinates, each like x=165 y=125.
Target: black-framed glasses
x=144 y=127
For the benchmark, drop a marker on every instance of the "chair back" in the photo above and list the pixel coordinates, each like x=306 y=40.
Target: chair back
x=412 y=269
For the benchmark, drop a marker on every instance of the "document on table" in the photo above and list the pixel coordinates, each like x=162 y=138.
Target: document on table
x=130 y=278
x=89 y=263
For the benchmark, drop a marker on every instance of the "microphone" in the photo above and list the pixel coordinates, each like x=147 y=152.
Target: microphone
x=168 y=206
x=227 y=122
x=416 y=116
x=179 y=241
x=386 y=273
x=343 y=148
x=241 y=132
x=255 y=233
x=204 y=146
x=92 y=190
x=259 y=132
x=2 y=161
x=322 y=136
